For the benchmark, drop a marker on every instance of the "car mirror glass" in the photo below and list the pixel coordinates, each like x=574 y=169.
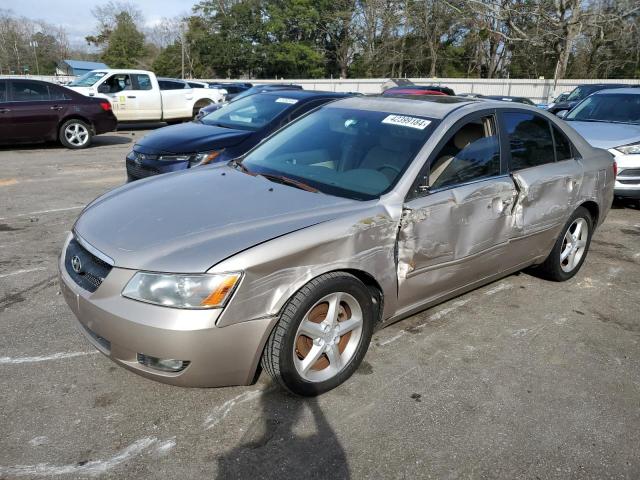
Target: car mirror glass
x=104 y=88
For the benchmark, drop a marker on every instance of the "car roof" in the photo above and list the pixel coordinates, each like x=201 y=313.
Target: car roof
x=304 y=94
x=629 y=90
x=434 y=106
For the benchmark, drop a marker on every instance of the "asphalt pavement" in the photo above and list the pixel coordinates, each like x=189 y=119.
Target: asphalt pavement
x=522 y=378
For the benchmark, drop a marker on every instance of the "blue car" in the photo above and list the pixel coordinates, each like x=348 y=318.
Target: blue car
x=222 y=135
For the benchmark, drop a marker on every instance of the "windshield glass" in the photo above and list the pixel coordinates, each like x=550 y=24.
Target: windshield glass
x=610 y=107
x=250 y=113
x=350 y=153
x=88 y=79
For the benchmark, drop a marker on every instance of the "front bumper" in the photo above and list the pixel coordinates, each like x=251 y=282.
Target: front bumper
x=138 y=166
x=122 y=329
x=628 y=179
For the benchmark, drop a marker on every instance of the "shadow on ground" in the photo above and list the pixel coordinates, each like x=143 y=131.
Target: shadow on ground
x=289 y=438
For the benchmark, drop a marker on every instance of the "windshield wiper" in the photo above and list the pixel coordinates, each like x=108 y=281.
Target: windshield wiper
x=289 y=181
x=239 y=166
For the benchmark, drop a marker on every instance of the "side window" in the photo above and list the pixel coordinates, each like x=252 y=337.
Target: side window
x=472 y=153
x=3 y=91
x=169 y=85
x=58 y=93
x=143 y=82
x=26 y=91
x=118 y=83
x=564 y=149
x=302 y=110
x=530 y=140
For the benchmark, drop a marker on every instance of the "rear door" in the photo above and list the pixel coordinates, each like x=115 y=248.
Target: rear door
x=34 y=114
x=548 y=175
x=454 y=231
x=176 y=100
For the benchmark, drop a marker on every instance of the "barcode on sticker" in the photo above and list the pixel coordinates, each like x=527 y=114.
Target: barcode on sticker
x=286 y=100
x=405 y=121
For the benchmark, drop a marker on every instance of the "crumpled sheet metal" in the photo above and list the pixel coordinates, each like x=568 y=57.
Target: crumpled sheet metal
x=275 y=270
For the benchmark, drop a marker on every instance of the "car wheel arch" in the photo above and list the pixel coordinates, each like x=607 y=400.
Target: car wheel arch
x=75 y=116
x=593 y=209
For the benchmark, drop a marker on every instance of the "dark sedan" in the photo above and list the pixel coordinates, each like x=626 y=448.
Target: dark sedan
x=430 y=88
x=36 y=111
x=580 y=93
x=222 y=135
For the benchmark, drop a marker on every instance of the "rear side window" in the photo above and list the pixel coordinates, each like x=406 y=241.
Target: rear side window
x=564 y=149
x=169 y=85
x=143 y=82
x=3 y=91
x=58 y=94
x=530 y=140
x=26 y=91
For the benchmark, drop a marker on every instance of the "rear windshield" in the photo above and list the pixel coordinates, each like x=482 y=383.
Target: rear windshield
x=250 y=113
x=350 y=153
x=88 y=79
x=608 y=107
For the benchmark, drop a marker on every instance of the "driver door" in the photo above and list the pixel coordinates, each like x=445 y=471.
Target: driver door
x=455 y=230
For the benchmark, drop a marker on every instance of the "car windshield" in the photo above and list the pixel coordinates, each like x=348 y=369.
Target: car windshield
x=609 y=107
x=88 y=79
x=349 y=153
x=250 y=113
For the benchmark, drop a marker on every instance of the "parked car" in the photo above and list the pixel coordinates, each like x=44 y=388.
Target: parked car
x=502 y=98
x=431 y=88
x=232 y=89
x=410 y=91
x=138 y=95
x=36 y=111
x=340 y=223
x=579 y=93
x=222 y=135
x=250 y=91
x=610 y=119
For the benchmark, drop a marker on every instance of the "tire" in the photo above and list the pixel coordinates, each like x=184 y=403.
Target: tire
x=75 y=134
x=331 y=358
x=561 y=269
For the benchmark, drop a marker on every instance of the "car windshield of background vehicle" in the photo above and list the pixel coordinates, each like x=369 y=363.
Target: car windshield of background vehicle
x=609 y=107
x=349 y=153
x=250 y=113
x=88 y=79
x=577 y=94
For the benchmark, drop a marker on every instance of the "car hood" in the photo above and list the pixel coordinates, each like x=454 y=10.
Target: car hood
x=191 y=220
x=607 y=135
x=190 y=138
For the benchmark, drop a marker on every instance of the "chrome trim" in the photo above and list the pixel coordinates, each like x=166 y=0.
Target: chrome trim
x=93 y=250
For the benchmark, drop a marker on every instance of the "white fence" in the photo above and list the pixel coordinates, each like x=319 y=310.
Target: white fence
x=536 y=90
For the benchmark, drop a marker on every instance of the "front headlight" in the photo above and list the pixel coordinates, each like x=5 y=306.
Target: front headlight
x=182 y=291
x=174 y=158
x=629 y=149
x=203 y=158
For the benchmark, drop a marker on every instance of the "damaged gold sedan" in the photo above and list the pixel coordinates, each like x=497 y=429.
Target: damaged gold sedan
x=357 y=215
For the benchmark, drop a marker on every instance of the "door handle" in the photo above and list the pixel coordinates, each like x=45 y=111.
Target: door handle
x=56 y=107
x=131 y=96
x=5 y=110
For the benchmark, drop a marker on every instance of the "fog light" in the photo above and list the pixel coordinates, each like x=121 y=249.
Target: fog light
x=162 y=364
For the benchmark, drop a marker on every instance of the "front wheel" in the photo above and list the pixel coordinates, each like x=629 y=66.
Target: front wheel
x=75 y=134
x=323 y=333
x=570 y=249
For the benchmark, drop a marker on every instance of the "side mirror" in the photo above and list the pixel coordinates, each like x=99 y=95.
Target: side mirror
x=562 y=113
x=104 y=88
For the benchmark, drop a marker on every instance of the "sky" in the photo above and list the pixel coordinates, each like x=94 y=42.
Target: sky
x=75 y=15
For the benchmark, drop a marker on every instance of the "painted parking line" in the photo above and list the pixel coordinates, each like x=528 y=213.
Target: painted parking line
x=20 y=272
x=41 y=212
x=43 y=358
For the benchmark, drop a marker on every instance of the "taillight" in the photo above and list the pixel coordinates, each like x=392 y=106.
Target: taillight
x=615 y=169
x=106 y=106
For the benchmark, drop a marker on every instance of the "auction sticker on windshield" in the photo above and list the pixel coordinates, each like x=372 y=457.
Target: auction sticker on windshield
x=404 y=121
x=286 y=100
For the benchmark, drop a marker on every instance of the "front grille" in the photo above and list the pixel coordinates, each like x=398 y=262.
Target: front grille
x=140 y=171
x=629 y=172
x=628 y=182
x=89 y=271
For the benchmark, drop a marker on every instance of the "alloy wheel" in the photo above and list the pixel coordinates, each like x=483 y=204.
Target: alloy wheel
x=574 y=244
x=76 y=134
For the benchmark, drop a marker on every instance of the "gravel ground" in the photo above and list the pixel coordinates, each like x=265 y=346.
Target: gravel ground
x=520 y=379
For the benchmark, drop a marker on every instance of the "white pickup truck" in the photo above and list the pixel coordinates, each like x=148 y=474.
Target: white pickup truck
x=138 y=95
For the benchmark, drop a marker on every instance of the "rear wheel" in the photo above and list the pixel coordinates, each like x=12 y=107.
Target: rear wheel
x=198 y=105
x=570 y=250
x=75 y=134
x=322 y=335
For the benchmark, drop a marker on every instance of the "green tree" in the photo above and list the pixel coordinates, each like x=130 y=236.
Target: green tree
x=123 y=44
